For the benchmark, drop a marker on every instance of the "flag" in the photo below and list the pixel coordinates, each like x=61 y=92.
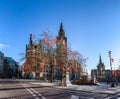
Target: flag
x=112 y=60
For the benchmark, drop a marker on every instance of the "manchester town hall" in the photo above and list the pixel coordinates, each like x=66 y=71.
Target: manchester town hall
x=46 y=62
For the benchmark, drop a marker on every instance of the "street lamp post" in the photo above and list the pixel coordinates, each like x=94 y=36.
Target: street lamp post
x=112 y=82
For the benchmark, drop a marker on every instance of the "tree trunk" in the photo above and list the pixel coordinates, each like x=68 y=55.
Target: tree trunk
x=51 y=73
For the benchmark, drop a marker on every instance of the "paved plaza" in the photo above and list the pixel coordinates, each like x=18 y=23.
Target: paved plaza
x=37 y=89
x=100 y=88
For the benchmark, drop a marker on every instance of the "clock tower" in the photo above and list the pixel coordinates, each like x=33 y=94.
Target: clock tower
x=61 y=47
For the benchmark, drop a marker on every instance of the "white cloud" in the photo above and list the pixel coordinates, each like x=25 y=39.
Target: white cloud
x=3 y=46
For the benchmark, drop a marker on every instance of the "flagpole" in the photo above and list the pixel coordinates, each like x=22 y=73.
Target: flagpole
x=112 y=82
x=110 y=60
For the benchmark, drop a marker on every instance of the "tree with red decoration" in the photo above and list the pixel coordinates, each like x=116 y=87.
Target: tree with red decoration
x=49 y=45
x=77 y=63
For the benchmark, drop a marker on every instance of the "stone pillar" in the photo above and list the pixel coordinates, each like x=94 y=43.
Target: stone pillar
x=65 y=80
x=68 y=79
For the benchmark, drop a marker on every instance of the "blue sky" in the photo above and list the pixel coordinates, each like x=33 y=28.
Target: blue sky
x=91 y=26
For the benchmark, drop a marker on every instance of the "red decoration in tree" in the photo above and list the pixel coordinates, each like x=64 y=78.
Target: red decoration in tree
x=63 y=68
x=46 y=35
x=43 y=62
x=69 y=69
x=55 y=40
x=50 y=43
x=76 y=64
x=54 y=61
x=45 y=41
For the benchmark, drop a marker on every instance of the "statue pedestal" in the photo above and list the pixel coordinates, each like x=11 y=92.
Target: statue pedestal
x=65 y=80
x=68 y=83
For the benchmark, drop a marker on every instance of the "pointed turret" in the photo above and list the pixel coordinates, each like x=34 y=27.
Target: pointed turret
x=100 y=64
x=100 y=59
x=61 y=30
x=26 y=45
x=31 y=41
x=61 y=27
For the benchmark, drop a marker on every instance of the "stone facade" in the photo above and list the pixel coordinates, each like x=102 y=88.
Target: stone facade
x=35 y=53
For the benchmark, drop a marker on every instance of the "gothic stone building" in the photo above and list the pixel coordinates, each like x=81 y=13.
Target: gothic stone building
x=100 y=73
x=34 y=55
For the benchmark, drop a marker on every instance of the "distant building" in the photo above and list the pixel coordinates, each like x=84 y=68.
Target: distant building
x=108 y=75
x=100 y=73
x=10 y=68
x=1 y=63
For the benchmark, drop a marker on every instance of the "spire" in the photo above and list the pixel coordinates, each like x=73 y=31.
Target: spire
x=26 y=45
x=100 y=59
x=61 y=27
x=30 y=42
x=61 y=30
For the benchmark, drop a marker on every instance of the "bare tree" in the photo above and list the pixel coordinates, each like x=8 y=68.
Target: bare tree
x=46 y=55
